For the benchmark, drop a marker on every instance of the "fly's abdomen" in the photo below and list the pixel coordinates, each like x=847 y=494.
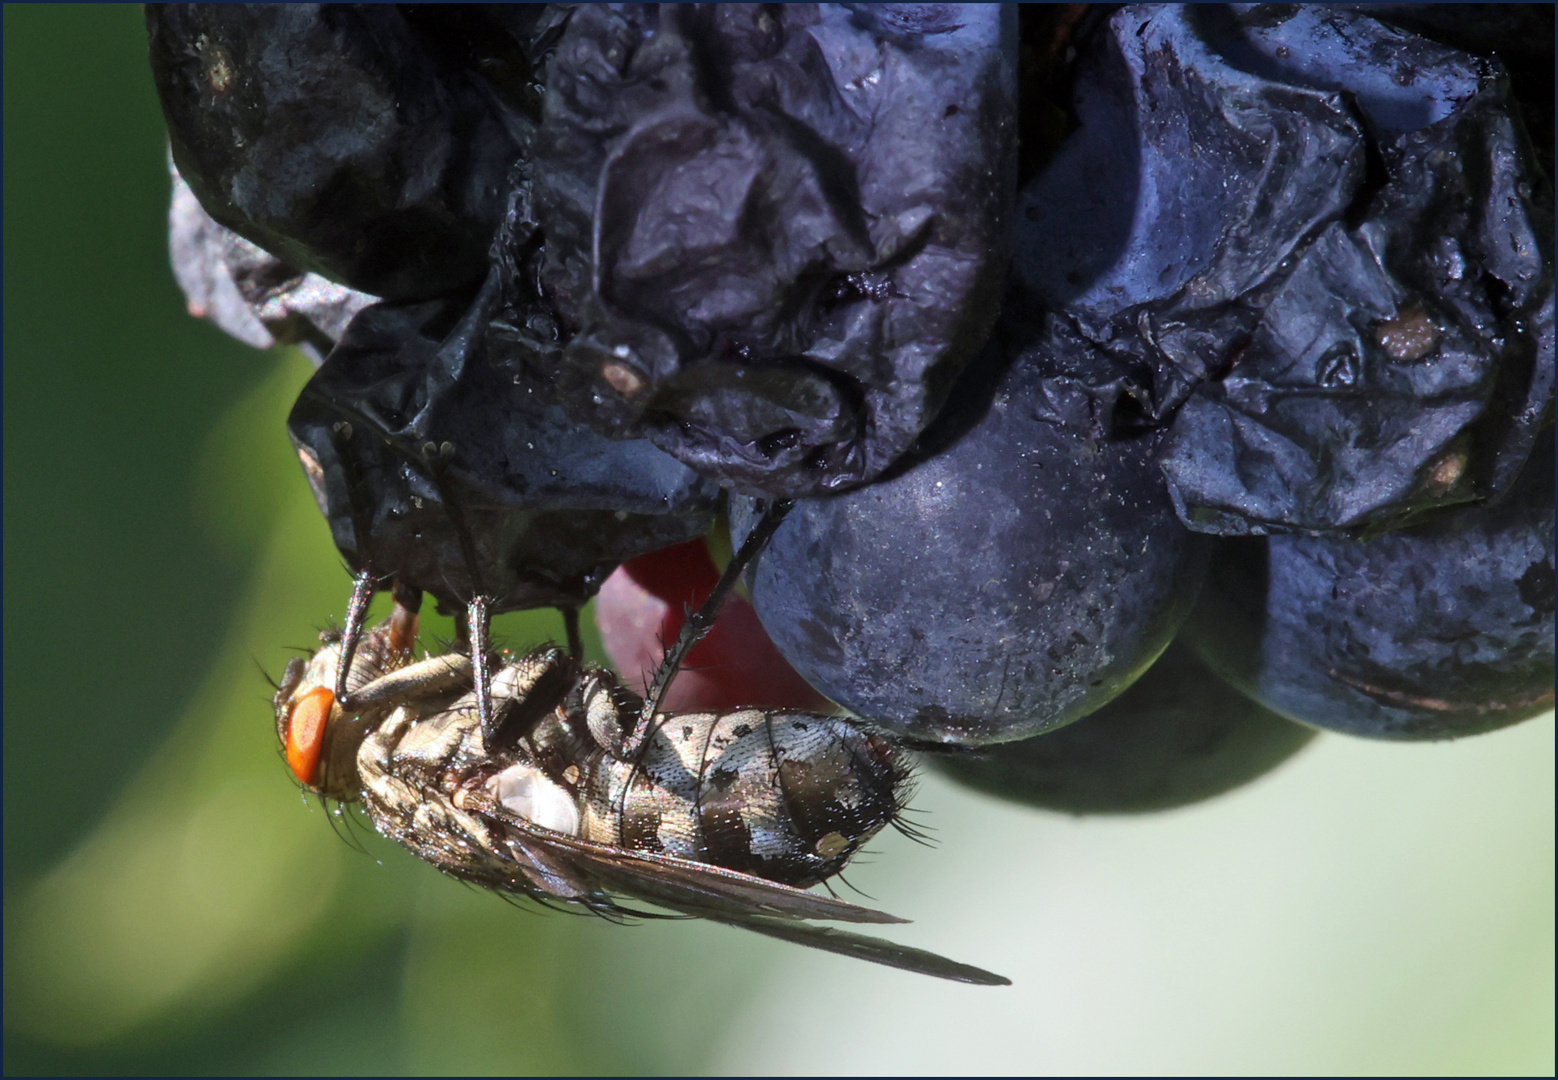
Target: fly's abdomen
x=781 y=795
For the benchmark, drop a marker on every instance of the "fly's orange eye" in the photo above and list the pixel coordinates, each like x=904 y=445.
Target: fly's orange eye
x=306 y=732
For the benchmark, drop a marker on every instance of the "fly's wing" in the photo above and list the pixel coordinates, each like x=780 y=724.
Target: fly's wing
x=694 y=888
x=862 y=947
x=732 y=898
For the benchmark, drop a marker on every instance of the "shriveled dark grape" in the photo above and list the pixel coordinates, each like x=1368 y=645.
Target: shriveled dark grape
x=340 y=138
x=1488 y=29
x=1177 y=736
x=1007 y=584
x=1431 y=632
x=413 y=429
x=1326 y=248
x=775 y=233
x=1520 y=36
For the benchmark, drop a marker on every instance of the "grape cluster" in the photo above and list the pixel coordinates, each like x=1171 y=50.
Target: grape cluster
x=1071 y=332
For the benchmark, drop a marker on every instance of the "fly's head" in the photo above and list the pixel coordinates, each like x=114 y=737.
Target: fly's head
x=318 y=736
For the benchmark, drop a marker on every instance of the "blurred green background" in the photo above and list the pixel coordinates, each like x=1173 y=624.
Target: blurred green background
x=172 y=905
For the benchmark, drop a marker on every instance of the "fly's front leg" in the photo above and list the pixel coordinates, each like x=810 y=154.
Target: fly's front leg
x=433 y=677
x=364 y=585
x=400 y=632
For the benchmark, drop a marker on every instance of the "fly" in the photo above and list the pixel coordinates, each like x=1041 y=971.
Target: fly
x=555 y=782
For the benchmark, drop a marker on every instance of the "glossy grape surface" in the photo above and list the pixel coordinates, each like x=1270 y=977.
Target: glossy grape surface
x=1008 y=584
x=1431 y=632
x=1178 y=736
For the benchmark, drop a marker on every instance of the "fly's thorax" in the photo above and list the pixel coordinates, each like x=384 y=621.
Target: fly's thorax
x=782 y=795
x=437 y=735
x=549 y=753
x=432 y=743
x=436 y=745
x=427 y=818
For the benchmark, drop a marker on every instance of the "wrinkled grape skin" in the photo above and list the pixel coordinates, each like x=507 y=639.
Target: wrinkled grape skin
x=1432 y=632
x=762 y=262
x=1011 y=583
x=1177 y=736
x=336 y=138
x=398 y=438
x=1256 y=203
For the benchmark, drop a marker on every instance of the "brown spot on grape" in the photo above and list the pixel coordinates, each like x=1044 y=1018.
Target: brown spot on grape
x=219 y=67
x=1411 y=335
x=621 y=378
x=1445 y=472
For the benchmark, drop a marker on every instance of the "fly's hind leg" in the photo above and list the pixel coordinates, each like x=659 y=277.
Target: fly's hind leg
x=698 y=623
